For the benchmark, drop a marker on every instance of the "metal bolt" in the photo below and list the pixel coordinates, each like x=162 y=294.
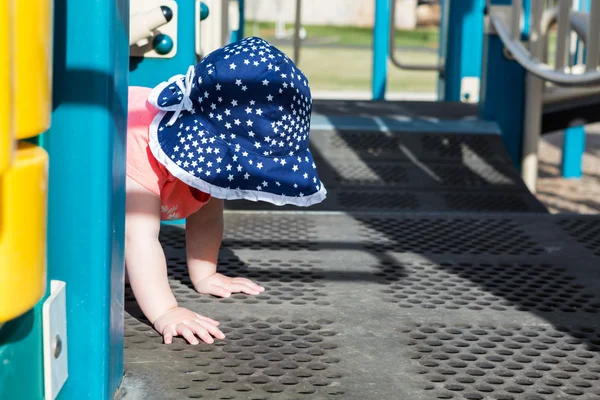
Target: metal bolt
x=57 y=346
x=507 y=54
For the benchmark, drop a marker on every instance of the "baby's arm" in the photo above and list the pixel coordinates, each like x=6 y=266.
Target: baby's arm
x=147 y=271
x=204 y=232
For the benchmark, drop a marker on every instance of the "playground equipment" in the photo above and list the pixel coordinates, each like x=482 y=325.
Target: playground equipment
x=430 y=272
x=547 y=98
x=25 y=75
x=182 y=41
x=539 y=73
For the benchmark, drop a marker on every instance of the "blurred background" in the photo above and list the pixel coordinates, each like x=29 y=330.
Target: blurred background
x=337 y=56
x=337 y=37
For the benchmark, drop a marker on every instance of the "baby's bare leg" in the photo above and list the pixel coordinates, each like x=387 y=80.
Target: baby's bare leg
x=147 y=270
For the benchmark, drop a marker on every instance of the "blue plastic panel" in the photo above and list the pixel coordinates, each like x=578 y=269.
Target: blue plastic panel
x=87 y=179
x=21 y=373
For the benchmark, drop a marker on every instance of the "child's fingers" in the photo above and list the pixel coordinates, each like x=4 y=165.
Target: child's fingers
x=249 y=283
x=241 y=287
x=218 y=291
x=168 y=338
x=200 y=331
x=203 y=318
x=187 y=333
x=168 y=335
x=212 y=329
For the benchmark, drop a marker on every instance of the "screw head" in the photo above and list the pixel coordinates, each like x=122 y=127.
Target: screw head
x=507 y=54
x=57 y=346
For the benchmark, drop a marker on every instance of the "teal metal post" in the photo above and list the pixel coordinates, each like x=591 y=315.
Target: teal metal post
x=584 y=5
x=574 y=140
x=86 y=217
x=462 y=32
x=381 y=40
x=503 y=91
x=573 y=150
x=239 y=34
x=21 y=368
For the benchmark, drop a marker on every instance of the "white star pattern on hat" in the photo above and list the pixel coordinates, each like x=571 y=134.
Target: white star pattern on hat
x=252 y=136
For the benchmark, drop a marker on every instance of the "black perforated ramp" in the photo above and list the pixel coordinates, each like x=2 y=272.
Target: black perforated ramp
x=385 y=306
x=410 y=109
x=402 y=171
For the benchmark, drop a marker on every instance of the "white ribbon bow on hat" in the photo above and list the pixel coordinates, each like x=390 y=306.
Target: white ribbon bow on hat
x=186 y=90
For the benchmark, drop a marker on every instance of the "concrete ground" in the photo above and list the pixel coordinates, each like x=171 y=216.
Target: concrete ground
x=570 y=195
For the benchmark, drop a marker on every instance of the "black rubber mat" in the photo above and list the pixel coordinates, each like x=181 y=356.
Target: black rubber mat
x=385 y=171
x=411 y=109
x=385 y=306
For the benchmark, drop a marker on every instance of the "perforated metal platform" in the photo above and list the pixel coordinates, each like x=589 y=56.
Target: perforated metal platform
x=387 y=108
x=442 y=278
x=403 y=171
x=386 y=306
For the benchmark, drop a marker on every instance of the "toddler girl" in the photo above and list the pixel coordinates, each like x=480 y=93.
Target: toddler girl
x=234 y=127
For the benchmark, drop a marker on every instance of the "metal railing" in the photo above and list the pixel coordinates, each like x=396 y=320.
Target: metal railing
x=533 y=63
x=546 y=83
x=297 y=27
x=392 y=49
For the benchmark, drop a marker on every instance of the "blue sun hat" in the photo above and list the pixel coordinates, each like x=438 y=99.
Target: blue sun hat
x=236 y=126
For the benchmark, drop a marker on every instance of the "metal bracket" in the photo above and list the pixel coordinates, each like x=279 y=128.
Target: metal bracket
x=54 y=317
x=469 y=89
x=144 y=48
x=505 y=13
x=502 y=12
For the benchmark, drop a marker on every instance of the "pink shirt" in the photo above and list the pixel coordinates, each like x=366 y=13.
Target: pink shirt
x=178 y=200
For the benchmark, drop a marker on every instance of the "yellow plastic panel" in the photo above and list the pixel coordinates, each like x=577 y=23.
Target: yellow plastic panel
x=33 y=66
x=6 y=117
x=23 y=193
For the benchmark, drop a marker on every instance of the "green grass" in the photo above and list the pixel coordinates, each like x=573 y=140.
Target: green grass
x=342 y=67
x=345 y=35
x=350 y=69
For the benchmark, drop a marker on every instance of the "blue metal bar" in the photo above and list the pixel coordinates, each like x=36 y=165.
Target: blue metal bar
x=574 y=140
x=526 y=16
x=573 y=150
x=86 y=214
x=584 y=5
x=239 y=34
x=503 y=92
x=464 y=45
x=381 y=37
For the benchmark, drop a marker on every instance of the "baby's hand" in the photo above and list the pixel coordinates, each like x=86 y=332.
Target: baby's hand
x=181 y=321
x=222 y=286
